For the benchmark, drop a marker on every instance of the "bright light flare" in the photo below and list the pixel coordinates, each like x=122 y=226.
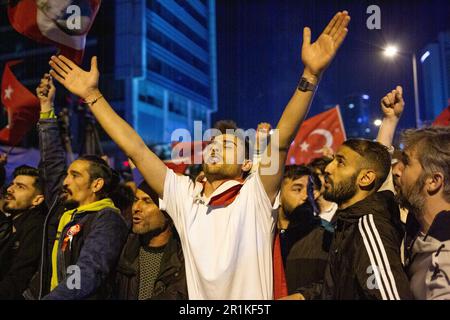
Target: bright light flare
x=390 y=51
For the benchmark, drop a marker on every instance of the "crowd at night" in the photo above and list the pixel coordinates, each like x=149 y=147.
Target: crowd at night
x=344 y=198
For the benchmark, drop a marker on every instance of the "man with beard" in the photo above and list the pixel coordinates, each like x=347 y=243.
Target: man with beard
x=364 y=260
x=326 y=209
x=308 y=257
x=297 y=202
x=295 y=219
x=304 y=235
x=19 y=251
x=151 y=265
x=84 y=232
x=423 y=183
x=226 y=221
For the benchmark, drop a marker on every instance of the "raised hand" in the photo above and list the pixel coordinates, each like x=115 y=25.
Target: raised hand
x=81 y=83
x=317 y=56
x=262 y=133
x=393 y=104
x=46 y=93
x=263 y=128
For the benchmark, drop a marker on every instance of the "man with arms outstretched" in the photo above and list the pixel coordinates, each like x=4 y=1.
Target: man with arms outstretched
x=227 y=243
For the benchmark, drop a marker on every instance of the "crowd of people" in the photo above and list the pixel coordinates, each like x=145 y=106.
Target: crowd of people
x=367 y=222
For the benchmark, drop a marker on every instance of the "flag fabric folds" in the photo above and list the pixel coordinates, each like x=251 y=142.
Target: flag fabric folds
x=64 y=23
x=318 y=134
x=21 y=105
x=443 y=119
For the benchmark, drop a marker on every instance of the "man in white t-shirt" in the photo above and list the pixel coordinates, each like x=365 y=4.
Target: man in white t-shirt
x=225 y=223
x=227 y=235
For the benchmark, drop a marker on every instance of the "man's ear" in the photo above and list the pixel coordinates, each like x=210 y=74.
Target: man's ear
x=366 y=178
x=434 y=183
x=247 y=166
x=97 y=185
x=37 y=200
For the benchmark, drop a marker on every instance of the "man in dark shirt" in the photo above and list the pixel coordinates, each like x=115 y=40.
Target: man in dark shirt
x=151 y=265
x=22 y=229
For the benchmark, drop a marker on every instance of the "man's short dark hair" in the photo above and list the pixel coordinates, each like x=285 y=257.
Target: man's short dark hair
x=375 y=156
x=224 y=125
x=123 y=197
x=99 y=168
x=151 y=193
x=320 y=163
x=25 y=170
x=144 y=187
x=295 y=172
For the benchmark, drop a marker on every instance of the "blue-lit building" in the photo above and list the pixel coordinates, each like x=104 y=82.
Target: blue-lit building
x=357 y=116
x=435 y=65
x=165 y=53
x=157 y=60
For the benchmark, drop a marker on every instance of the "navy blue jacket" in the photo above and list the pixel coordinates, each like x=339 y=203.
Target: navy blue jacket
x=94 y=251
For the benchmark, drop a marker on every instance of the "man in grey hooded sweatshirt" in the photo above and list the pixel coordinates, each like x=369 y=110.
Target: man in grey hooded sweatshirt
x=423 y=180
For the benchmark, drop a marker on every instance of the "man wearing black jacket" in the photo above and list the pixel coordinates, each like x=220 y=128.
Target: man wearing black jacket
x=151 y=265
x=364 y=260
x=21 y=240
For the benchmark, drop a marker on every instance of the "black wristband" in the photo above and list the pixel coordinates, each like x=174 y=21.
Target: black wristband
x=304 y=85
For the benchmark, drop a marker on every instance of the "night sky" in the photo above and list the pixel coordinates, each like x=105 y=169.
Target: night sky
x=259 y=43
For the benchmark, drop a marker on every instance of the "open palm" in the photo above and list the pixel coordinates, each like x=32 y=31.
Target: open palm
x=317 y=56
x=73 y=78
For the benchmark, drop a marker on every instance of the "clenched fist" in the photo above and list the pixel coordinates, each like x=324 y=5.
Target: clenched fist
x=393 y=104
x=46 y=93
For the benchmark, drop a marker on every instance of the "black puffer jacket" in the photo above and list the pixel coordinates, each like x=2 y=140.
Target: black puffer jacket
x=171 y=281
x=20 y=252
x=364 y=260
x=308 y=257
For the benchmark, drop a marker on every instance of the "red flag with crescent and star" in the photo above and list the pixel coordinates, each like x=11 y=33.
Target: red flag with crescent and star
x=22 y=107
x=319 y=134
x=64 y=23
x=444 y=118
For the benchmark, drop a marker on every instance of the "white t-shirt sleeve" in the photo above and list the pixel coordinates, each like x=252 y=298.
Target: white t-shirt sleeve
x=256 y=189
x=388 y=184
x=176 y=194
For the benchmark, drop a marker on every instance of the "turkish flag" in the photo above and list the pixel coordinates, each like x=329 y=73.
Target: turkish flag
x=443 y=119
x=321 y=132
x=64 y=23
x=22 y=107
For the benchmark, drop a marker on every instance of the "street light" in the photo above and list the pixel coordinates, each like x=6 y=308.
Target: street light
x=391 y=51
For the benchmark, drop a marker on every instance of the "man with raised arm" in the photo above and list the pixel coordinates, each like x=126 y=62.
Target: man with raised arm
x=225 y=223
x=83 y=233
